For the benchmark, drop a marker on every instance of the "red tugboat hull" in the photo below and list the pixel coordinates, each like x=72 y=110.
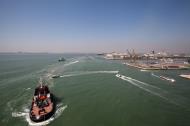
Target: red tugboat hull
x=43 y=105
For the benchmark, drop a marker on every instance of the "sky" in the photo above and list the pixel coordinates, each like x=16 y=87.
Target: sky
x=94 y=26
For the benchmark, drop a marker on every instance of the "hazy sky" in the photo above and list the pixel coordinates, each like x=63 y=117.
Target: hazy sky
x=94 y=25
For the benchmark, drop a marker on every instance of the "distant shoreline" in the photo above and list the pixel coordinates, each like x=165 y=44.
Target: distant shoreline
x=30 y=53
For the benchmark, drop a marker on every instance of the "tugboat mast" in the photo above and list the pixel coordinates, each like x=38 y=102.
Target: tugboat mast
x=41 y=82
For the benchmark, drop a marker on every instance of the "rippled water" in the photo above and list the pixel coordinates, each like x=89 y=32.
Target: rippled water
x=90 y=93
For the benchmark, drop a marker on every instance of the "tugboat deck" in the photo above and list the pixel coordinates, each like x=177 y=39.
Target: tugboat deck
x=42 y=111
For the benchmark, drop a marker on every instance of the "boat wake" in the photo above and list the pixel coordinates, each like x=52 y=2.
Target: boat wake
x=144 y=70
x=163 y=78
x=174 y=99
x=89 y=72
x=54 y=70
x=59 y=110
x=146 y=84
x=155 y=75
x=73 y=62
x=142 y=85
x=27 y=88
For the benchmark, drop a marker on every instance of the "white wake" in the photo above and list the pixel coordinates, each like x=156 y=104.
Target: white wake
x=149 y=88
x=73 y=62
x=59 y=109
x=155 y=75
x=89 y=72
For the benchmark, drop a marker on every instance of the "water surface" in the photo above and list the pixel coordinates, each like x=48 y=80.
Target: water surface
x=90 y=94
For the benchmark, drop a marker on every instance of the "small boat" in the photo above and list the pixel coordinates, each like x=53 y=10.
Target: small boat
x=164 y=78
x=167 y=78
x=143 y=70
x=122 y=76
x=187 y=76
x=61 y=59
x=118 y=75
x=55 y=76
x=43 y=104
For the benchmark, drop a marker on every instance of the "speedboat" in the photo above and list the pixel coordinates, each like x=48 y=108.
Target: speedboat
x=167 y=78
x=118 y=75
x=55 y=76
x=122 y=76
x=43 y=104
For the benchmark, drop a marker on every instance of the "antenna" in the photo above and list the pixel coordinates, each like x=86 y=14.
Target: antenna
x=41 y=82
x=134 y=56
x=129 y=53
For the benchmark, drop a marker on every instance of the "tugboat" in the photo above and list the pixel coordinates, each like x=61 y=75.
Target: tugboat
x=61 y=59
x=43 y=104
x=55 y=76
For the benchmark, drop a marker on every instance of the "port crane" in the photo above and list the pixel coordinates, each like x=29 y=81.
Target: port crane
x=132 y=56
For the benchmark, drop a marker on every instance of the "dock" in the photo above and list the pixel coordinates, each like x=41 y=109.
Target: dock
x=157 y=66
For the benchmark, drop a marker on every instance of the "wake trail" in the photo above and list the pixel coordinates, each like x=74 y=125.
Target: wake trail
x=59 y=109
x=54 y=70
x=149 y=85
x=89 y=72
x=150 y=89
x=132 y=81
x=73 y=62
x=155 y=75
